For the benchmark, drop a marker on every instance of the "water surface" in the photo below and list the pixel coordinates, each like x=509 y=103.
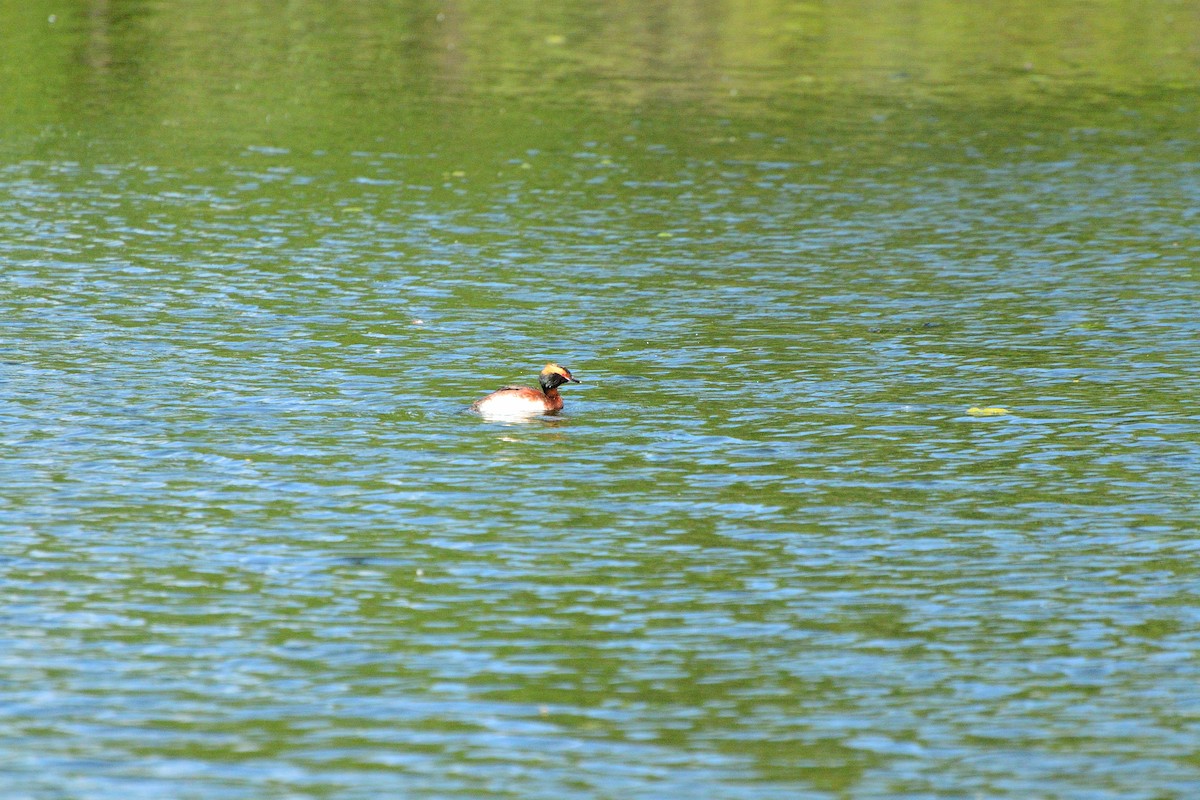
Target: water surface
x=257 y=264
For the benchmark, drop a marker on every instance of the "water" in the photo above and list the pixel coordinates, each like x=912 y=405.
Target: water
x=255 y=546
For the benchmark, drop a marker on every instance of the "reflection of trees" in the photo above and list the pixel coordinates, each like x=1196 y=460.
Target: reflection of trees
x=304 y=59
x=97 y=54
x=623 y=48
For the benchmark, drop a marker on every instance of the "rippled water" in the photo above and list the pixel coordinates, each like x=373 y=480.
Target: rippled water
x=255 y=546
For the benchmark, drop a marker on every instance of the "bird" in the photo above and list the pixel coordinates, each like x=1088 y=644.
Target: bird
x=522 y=400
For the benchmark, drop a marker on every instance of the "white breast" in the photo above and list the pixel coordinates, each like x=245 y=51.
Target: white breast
x=509 y=404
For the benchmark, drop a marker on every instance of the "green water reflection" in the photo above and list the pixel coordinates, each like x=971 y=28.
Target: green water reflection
x=342 y=75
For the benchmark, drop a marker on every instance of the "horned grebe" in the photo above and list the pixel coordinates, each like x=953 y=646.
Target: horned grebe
x=517 y=400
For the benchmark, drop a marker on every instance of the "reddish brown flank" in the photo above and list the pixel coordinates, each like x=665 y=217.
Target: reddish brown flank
x=522 y=400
